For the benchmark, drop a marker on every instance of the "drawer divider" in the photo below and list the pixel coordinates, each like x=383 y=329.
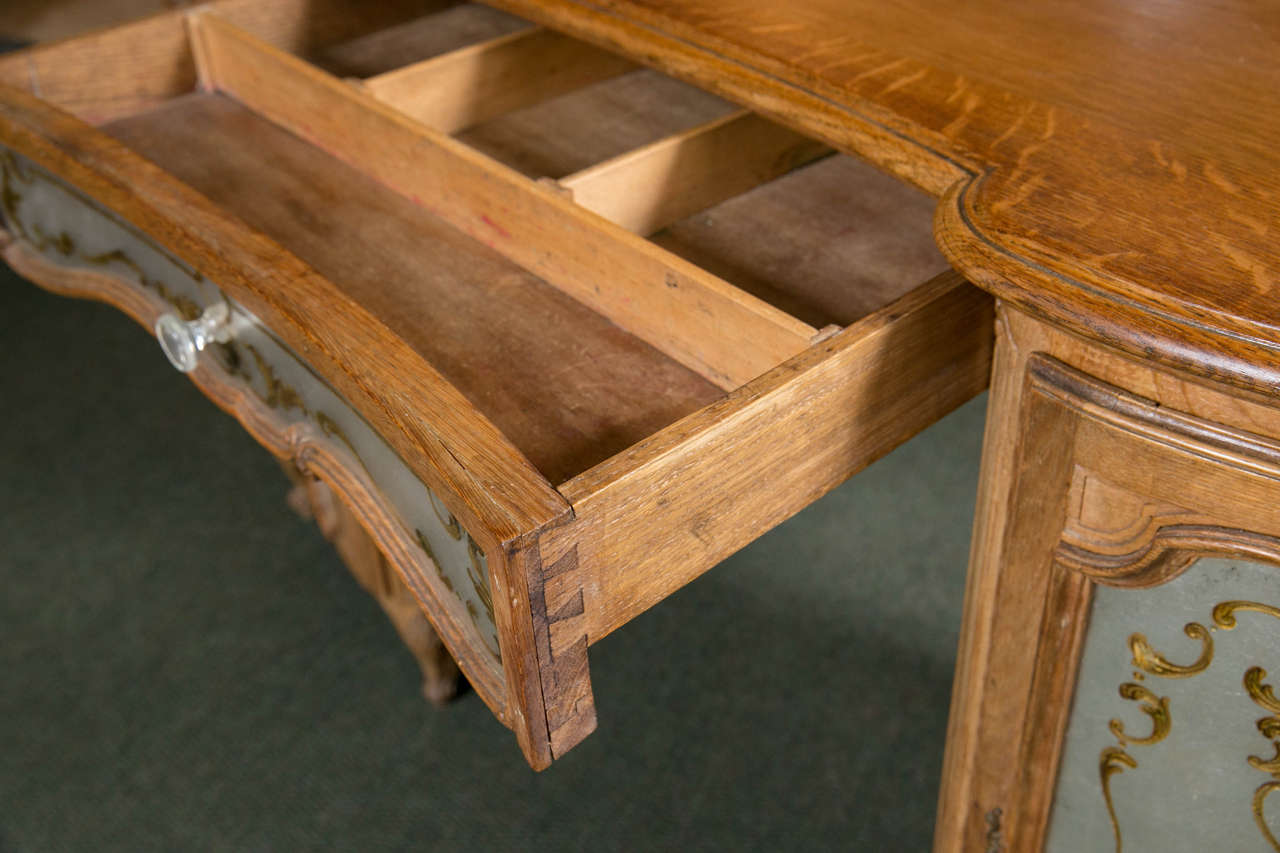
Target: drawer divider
x=705 y=323
x=456 y=90
x=648 y=188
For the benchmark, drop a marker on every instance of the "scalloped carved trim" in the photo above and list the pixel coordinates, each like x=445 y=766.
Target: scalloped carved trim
x=1168 y=553
x=1120 y=538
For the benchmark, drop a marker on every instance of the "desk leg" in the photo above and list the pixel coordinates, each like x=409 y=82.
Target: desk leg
x=1108 y=480
x=311 y=498
x=1021 y=505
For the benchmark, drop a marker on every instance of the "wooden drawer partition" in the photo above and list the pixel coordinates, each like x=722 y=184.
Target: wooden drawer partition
x=611 y=376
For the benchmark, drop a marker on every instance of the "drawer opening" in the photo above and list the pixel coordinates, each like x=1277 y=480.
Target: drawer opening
x=673 y=246
x=566 y=386
x=619 y=326
x=828 y=245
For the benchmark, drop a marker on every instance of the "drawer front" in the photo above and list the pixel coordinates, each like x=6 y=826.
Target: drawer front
x=279 y=398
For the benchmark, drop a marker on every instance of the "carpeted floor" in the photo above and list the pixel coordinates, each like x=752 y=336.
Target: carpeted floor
x=184 y=665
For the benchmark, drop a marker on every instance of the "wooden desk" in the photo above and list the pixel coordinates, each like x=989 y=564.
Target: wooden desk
x=1106 y=170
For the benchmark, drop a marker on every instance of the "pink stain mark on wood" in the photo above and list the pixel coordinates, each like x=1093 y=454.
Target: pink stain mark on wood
x=495 y=226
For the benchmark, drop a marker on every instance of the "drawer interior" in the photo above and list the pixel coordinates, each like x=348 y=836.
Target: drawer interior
x=588 y=250
x=616 y=325
x=568 y=399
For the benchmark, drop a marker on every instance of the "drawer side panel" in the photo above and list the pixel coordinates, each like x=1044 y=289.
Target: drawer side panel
x=652 y=519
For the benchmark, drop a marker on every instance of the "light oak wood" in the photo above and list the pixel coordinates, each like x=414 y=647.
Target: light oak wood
x=467 y=86
x=434 y=33
x=314 y=205
x=594 y=123
x=566 y=400
x=1097 y=469
x=653 y=518
x=706 y=324
x=134 y=66
x=1123 y=187
x=651 y=187
x=492 y=488
x=830 y=242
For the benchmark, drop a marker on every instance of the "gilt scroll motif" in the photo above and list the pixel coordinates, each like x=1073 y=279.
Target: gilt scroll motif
x=1114 y=760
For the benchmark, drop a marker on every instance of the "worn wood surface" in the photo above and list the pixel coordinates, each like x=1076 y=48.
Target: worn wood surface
x=417 y=39
x=567 y=400
x=137 y=65
x=648 y=188
x=1109 y=165
x=656 y=516
x=706 y=324
x=330 y=260
x=486 y=482
x=466 y=86
x=829 y=243
x=550 y=686
x=49 y=20
x=594 y=123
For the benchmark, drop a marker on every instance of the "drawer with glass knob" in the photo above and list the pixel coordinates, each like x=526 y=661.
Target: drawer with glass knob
x=562 y=332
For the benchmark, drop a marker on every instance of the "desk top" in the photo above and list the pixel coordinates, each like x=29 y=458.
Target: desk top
x=1111 y=166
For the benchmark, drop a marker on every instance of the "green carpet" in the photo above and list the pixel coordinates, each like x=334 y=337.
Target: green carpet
x=185 y=665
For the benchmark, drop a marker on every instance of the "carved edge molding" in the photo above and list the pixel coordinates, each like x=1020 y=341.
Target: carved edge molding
x=1146 y=543
x=307 y=446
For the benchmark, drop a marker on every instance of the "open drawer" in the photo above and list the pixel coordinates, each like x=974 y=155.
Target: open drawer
x=562 y=331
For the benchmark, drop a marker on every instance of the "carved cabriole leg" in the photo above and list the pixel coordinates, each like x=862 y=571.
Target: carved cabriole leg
x=312 y=499
x=1096 y=471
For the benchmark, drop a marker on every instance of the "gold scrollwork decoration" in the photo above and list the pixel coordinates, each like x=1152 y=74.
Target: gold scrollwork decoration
x=16 y=177
x=1152 y=662
x=1261 y=693
x=426 y=547
x=1155 y=707
x=445 y=517
x=1224 y=614
x=1114 y=759
x=65 y=245
x=479 y=578
x=1267 y=765
x=1258 y=797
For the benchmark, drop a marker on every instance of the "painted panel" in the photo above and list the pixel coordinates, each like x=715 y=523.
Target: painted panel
x=73 y=231
x=1174 y=738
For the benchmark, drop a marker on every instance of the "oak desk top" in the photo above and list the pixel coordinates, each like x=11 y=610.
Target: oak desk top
x=1110 y=166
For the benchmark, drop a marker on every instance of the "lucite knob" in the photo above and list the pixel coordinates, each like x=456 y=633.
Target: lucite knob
x=182 y=341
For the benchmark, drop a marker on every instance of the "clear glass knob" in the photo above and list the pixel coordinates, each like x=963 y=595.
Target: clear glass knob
x=182 y=341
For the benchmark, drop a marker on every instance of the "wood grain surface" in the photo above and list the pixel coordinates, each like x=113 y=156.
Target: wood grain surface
x=480 y=81
x=1107 y=165
x=651 y=519
x=113 y=72
x=709 y=326
x=486 y=482
x=1097 y=469
x=567 y=400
